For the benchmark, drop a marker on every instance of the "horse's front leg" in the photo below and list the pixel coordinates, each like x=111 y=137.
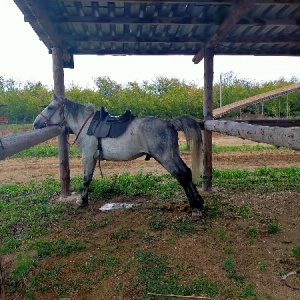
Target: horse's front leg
x=89 y=167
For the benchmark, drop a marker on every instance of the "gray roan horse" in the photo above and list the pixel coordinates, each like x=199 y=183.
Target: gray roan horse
x=148 y=136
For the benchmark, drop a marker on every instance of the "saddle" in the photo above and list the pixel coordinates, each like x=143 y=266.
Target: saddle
x=105 y=125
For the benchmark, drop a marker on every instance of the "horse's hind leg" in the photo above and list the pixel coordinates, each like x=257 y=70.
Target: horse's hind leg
x=183 y=174
x=89 y=167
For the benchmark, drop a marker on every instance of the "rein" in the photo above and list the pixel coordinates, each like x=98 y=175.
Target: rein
x=81 y=128
x=61 y=106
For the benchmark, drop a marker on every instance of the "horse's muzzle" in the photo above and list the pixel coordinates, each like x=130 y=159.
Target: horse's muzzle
x=39 y=125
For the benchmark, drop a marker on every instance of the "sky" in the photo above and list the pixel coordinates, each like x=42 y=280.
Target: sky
x=24 y=57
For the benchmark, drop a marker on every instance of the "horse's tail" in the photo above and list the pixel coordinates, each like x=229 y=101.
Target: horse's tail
x=192 y=132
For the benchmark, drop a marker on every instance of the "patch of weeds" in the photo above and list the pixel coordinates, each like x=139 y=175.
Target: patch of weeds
x=262 y=265
x=153 y=276
x=9 y=245
x=57 y=247
x=158 y=224
x=248 y=292
x=214 y=209
x=163 y=186
x=94 y=262
x=93 y=225
x=229 y=250
x=121 y=234
x=252 y=232
x=244 y=211
x=24 y=263
x=229 y=267
x=184 y=226
x=51 y=279
x=262 y=180
x=222 y=234
x=273 y=228
x=296 y=251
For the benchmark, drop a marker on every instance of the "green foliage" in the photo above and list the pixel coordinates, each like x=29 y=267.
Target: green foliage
x=154 y=277
x=296 y=251
x=162 y=97
x=273 y=228
x=261 y=180
x=140 y=184
x=58 y=247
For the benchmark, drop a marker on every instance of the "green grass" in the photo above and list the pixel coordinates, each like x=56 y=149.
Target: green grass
x=29 y=216
x=296 y=251
x=261 y=180
x=44 y=151
x=240 y=148
x=244 y=148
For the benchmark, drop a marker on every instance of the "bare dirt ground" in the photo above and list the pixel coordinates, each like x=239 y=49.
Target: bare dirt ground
x=263 y=262
x=24 y=169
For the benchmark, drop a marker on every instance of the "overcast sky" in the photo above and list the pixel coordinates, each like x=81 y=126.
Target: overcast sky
x=25 y=58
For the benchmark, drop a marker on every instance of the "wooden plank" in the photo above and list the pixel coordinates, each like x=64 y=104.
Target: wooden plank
x=277 y=136
x=218 y=112
x=13 y=144
x=207 y=115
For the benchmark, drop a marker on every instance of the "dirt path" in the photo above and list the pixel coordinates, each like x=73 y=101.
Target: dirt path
x=25 y=169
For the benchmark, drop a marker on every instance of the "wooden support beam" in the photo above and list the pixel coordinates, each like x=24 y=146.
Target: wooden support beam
x=277 y=136
x=63 y=146
x=239 y=10
x=46 y=24
x=13 y=144
x=207 y=115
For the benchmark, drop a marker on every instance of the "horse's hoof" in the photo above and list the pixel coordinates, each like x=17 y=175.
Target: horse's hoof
x=81 y=204
x=197 y=214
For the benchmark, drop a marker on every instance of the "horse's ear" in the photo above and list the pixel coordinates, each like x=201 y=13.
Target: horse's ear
x=55 y=97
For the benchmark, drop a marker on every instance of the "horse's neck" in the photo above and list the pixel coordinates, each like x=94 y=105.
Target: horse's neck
x=76 y=118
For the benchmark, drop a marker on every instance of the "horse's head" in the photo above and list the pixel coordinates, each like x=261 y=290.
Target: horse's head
x=53 y=114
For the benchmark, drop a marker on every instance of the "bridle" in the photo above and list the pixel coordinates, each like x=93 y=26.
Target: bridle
x=61 y=106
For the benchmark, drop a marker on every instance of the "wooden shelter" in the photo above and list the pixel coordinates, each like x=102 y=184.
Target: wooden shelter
x=197 y=28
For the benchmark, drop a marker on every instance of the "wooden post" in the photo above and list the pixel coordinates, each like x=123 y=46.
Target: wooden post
x=59 y=89
x=208 y=115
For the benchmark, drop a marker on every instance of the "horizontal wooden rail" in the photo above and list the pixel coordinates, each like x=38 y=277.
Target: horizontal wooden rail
x=15 y=143
x=277 y=136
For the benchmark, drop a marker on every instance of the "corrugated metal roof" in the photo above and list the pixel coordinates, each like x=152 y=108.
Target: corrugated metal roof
x=179 y=27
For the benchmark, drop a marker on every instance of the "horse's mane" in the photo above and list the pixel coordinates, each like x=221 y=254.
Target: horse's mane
x=76 y=108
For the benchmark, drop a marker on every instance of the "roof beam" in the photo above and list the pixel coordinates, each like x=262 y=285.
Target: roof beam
x=200 y=2
x=45 y=23
x=185 y=40
x=238 y=11
x=165 y=21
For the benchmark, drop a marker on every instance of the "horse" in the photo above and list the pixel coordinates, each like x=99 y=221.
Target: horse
x=145 y=136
